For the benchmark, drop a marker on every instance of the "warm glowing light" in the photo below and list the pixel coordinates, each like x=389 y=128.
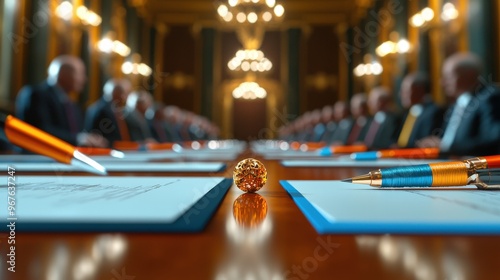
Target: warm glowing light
x=250 y=60
x=417 y=20
x=252 y=17
x=403 y=46
x=250 y=11
x=93 y=19
x=377 y=68
x=222 y=10
x=81 y=12
x=374 y=68
x=279 y=10
x=270 y=3
x=136 y=69
x=427 y=14
x=105 y=45
x=249 y=90
x=65 y=10
x=120 y=48
x=241 y=17
x=127 y=67
x=422 y=17
x=88 y=17
x=228 y=17
x=449 y=12
x=145 y=70
x=267 y=16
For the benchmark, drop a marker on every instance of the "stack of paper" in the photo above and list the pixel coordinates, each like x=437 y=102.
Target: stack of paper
x=166 y=204
x=336 y=207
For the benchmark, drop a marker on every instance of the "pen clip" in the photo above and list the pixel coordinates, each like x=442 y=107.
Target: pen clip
x=483 y=186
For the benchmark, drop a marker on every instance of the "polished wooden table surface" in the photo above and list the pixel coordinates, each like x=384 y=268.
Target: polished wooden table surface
x=268 y=239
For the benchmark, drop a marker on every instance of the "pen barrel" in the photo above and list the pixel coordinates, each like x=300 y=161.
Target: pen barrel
x=35 y=140
x=91 y=151
x=417 y=153
x=493 y=161
x=445 y=174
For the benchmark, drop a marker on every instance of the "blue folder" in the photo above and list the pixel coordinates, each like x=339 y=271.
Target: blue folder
x=333 y=207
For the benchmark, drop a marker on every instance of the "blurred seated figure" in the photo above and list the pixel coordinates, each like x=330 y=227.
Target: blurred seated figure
x=472 y=124
x=384 y=127
x=49 y=107
x=423 y=116
x=353 y=130
x=339 y=117
x=326 y=118
x=140 y=106
x=111 y=117
x=303 y=127
x=317 y=126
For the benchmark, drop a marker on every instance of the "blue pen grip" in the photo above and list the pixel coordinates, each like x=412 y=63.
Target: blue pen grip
x=365 y=156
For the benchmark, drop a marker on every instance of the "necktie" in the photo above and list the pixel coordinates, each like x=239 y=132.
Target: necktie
x=454 y=123
x=70 y=116
x=413 y=114
x=122 y=126
x=356 y=130
x=160 y=131
x=378 y=119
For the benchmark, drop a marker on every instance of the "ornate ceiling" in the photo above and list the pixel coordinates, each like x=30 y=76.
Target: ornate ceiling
x=297 y=12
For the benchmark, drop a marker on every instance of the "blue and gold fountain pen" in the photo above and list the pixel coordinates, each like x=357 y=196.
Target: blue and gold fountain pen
x=482 y=172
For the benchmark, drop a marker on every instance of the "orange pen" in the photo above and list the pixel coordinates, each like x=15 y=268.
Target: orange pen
x=127 y=145
x=37 y=141
x=100 y=152
x=411 y=153
x=328 y=151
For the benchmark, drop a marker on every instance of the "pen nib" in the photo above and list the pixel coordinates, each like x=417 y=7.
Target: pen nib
x=85 y=163
x=349 y=180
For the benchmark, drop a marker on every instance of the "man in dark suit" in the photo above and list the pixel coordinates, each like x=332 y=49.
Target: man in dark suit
x=352 y=129
x=472 y=126
x=424 y=117
x=384 y=127
x=111 y=117
x=48 y=106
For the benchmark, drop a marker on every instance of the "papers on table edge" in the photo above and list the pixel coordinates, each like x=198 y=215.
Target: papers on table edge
x=122 y=167
x=346 y=162
x=340 y=208
x=132 y=204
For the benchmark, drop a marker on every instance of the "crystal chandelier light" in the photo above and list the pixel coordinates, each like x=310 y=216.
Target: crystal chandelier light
x=250 y=11
x=250 y=60
x=249 y=90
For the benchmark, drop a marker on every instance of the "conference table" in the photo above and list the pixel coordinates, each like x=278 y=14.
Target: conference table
x=252 y=236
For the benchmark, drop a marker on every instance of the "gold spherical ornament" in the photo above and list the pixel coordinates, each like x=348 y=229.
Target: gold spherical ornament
x=250 y=175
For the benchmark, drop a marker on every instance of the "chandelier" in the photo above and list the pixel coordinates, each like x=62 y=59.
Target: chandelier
x=250 y=11
x=249 y=90
x=250 y=60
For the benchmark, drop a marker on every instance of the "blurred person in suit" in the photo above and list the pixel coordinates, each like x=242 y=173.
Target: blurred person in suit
x=472 y=124
x=352 y=130
x=112 y=117
x=383 y=129
x=49 y=107
x=339 y=118
x=423 y=116
x=140 y=107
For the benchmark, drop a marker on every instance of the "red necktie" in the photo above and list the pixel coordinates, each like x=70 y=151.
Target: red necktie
x=356 y=130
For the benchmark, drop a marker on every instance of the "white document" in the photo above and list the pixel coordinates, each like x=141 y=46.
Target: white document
x=337 y=207
x=347 y=162
x=60 y=199
x=122 y=166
